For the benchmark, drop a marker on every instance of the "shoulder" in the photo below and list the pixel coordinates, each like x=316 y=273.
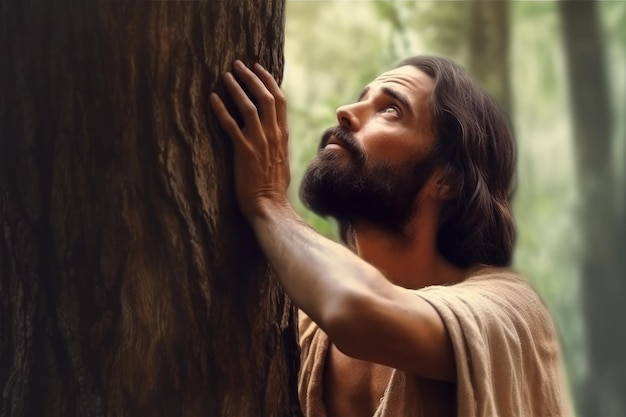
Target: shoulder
x=492 y=300
x=488 y=283
x=503 y=336
x=491 y=296
x=488 y=277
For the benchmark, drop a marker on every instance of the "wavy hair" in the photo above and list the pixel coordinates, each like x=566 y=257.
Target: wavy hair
x=477 y=153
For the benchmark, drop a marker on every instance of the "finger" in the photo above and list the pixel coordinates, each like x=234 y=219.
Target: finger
x=244 y=104
x=274 y=89
x=227 y=121
x=258 y=90
x=280 y=103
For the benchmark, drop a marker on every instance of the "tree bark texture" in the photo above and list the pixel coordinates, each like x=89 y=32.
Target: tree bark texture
x=488 y=39
x=603 y=261
x=130 y=284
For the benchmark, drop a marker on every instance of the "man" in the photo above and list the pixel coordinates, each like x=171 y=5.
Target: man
x=420 y=317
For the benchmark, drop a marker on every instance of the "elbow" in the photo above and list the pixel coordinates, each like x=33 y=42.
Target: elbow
x=349 y=320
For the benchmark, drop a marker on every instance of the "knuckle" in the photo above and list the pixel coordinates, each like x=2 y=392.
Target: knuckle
x=268 y=99
x=281 y=98
x=250 y=110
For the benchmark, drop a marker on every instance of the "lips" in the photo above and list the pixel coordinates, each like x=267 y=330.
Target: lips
x=333 y=140
x=340 y=139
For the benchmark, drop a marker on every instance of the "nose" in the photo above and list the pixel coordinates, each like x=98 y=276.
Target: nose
x=348 y=118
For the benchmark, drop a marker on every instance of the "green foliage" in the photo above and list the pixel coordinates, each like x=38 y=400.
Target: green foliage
x=335 y=48
x=442 y=26
x=339 y=40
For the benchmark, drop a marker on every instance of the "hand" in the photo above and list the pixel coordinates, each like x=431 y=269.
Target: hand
x=260 y=145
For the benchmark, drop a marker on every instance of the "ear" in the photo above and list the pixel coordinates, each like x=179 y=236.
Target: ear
x=438 y=188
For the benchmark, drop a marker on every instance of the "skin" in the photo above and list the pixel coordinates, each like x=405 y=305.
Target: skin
x=362 y=301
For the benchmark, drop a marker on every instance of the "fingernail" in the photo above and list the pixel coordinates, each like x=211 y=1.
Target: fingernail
x=239 y=64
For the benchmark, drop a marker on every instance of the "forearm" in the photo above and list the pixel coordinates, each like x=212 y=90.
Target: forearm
x=318 y=274
x=364 y=315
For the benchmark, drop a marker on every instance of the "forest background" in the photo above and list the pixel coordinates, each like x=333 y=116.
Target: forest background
x=569 y=204
x=122 y=290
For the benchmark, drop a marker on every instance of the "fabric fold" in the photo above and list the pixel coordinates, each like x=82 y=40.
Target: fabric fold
x=507 y=355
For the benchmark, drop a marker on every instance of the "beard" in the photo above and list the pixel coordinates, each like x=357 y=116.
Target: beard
x=353 y=187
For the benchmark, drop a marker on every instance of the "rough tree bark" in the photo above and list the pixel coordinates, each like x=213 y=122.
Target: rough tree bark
x=129 y=282
x=603 y=261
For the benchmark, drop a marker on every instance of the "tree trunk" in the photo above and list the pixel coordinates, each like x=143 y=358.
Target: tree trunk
x=604 y=284
x=130 y=283
x=488 y=35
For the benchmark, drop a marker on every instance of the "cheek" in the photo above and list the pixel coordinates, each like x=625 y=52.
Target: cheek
x=392 y=147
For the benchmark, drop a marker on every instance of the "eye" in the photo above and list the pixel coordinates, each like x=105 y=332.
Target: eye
x=393 y=110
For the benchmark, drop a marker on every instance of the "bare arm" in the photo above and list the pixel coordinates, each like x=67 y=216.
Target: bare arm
x=363 y=314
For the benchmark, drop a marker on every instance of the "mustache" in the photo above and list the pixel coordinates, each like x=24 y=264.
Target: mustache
x=345 y=137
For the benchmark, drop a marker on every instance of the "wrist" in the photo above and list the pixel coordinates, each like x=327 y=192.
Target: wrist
x=267 y=209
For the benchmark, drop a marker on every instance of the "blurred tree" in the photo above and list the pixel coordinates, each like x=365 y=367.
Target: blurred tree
x=122 y=286
x=602 y=218
x=546 y=201
x=476 y=33
x=488 y=35
x=480 y=35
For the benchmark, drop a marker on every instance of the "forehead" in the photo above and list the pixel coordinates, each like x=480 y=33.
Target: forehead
x=415 y=83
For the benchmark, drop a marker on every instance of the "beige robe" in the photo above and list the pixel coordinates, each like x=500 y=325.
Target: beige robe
x=507 y=356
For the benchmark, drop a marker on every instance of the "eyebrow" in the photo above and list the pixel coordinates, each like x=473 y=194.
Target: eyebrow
x=393 y=94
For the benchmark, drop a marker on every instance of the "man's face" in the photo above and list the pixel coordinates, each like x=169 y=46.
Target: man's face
x=373 y=166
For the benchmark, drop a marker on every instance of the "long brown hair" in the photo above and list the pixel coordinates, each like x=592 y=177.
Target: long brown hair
x=477 y=149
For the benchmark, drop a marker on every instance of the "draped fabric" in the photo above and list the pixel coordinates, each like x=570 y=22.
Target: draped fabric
x=507 y=356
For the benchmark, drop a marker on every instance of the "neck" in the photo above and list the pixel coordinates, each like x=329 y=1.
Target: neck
x=411 y=260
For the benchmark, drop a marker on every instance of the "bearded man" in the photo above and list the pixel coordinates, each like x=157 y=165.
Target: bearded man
x=420 y=315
